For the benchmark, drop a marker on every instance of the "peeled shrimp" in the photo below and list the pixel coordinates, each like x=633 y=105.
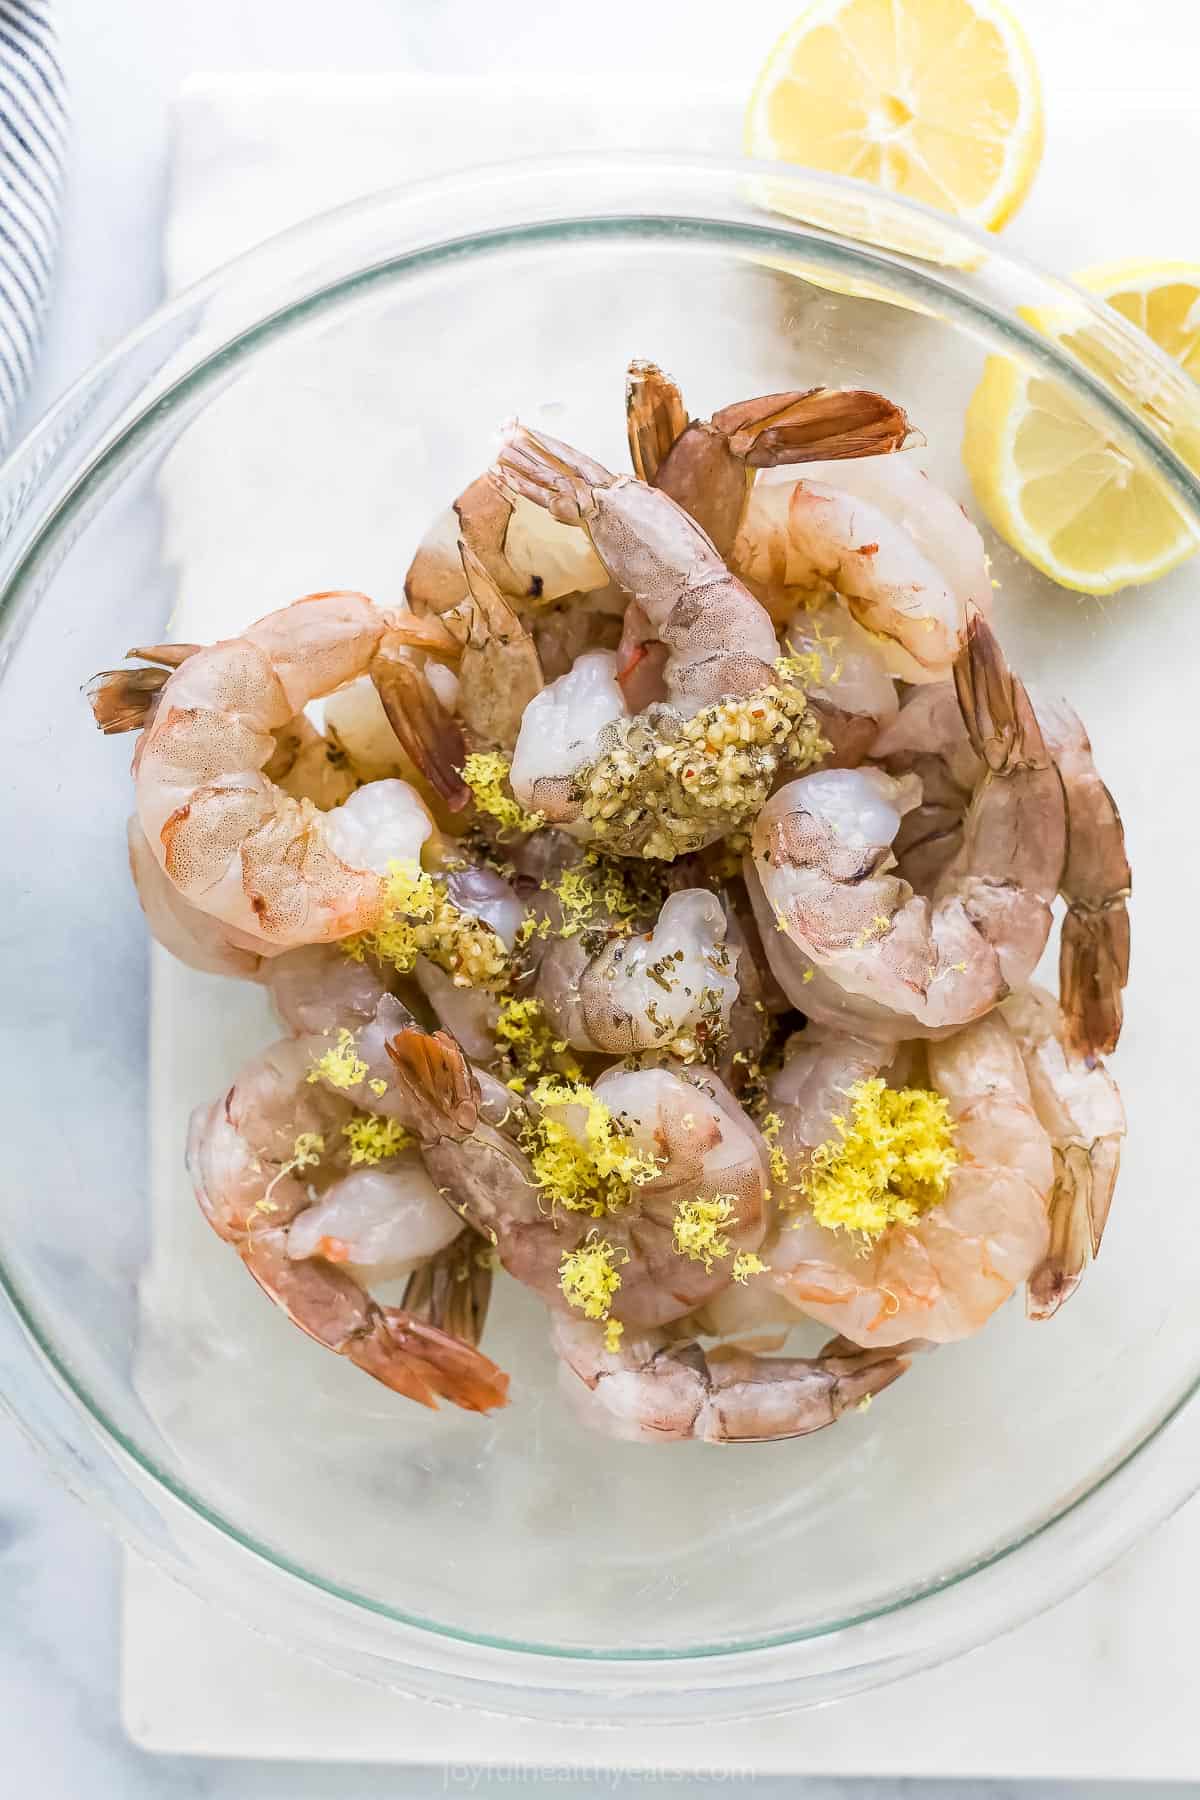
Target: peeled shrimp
x=272 y=1178
x=708 y=466
x=1079 y=1105
x=499 y=670
x=719 y=640
x=192 y=936
x=901 y=553
x=644 y=990
x=705 y=1148
x=531 y=556
x=655 y=1391
x=909 y=966
x=234 y=844
x=942 y=1277
x=930 y=739
x=853 y=697
x=676 y=777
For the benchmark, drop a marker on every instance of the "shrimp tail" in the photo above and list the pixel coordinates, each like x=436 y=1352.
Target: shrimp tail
x=434 y=1074
x=550 y=473
x=404 y=1353
x=655 y=417
x=453 y=1289
x=125 y=699
x=1085 y=1176
x=429 y=735
x=500 y=671
x=1094 y=952
x=996 y=708
x=1093 y=967
x=814 y=425
x=171 y=656
x=426 y=1364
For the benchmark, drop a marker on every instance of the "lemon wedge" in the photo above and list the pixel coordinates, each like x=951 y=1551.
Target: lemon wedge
x=935 y=100
x=1051 y=480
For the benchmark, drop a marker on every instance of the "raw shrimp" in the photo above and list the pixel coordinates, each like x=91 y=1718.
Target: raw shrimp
x=911 y=593
x=676 y=777
x=532 y=558
x=453 y=1288
x=941 y=1276
x=930 y=739
x=852 y=696
x=1093 y=964
x=902 y=553
x=822 y=853
x=672 y=986
x=708 y=465
x=271 y=1165
x=719 y=640
x=1079 y=1105
x=192 y=936
x=652 y=1390
x=499 y=671
x=320 y=988
x=650 y=1184
x=236 y=846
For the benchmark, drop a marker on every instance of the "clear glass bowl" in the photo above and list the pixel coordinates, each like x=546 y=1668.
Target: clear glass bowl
x=266 y=435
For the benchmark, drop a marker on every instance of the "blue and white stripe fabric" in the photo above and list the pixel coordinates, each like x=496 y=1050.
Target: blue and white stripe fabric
x=33 y=143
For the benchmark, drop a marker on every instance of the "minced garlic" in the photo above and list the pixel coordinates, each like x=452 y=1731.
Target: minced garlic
x=668 y=785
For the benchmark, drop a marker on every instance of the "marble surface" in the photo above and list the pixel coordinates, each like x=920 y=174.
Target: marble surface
x=59 y=1728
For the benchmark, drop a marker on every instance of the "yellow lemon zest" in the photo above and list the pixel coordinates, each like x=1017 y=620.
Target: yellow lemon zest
x=576 y=895
x=524 y=1036
x=486 y=774
x=890 y=1161
x=306 y=1151
x=614 y=1331
x=588 y=1276
x=593 y=1171
x=745 y=1264
x=698 y=1230
x=770 y=1126
x=605 y=890
x=372 y=1138
x=341 y=1066
x=420 y=919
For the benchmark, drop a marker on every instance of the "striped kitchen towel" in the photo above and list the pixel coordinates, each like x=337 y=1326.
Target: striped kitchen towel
x=33 y=141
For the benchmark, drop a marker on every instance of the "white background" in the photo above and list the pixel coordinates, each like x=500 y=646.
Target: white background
x=59 y=1732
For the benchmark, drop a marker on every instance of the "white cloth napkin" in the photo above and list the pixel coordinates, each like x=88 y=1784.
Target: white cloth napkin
x=33 y=139
x=254 y=155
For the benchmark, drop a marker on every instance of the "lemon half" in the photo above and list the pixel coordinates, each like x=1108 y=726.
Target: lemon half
x=1051 y=480
x=935 y=100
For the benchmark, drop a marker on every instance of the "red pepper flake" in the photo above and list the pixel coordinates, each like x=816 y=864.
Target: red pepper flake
x=868 y=549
